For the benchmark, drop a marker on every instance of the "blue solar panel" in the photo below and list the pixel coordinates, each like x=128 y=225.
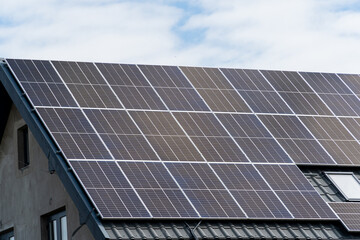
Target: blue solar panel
x=190 y=142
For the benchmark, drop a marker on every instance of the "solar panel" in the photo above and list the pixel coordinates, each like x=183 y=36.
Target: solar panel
x=185 y=142
x=109 y=189
x=251 y=191
x=42 y=85
x=295 y=191
x=173 y=88
x=120 y=135
x=256 y=91
x=165 y=135
x=297 y=141
x=335 y=94
x=352 y=124
x=205 y=190
x=352 y=81
x=253 y=138
x=215 y=90
x=74 y=134
x=335 y=138
x=157 y=189
x=87 y=85
x=349 y=214
x=210 y=137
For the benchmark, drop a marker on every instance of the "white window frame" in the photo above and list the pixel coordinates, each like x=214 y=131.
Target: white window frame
x=339 y=188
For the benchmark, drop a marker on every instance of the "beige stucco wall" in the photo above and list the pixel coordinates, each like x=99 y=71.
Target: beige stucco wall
x=26 y=195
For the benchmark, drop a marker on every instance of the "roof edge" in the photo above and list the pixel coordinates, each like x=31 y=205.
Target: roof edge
x=55 y=158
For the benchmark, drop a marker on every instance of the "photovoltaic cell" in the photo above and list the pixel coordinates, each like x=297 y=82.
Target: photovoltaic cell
x=253 y=138
x=352 y=81
x=165 y=76
x=148 y=175
x=209 y=78
x=129 y=118
x=138 y=97
x=25 y=71
x=87 y=85
x=182 y=99
x=305 y=103
x=256 y=91
x=286 y=81
x=326 y=128
x=325 y=83
x=284 y=177
x=210 y=137
x=42 y=85
x=111 y=121
x=166 y=136
x=240 y=177
x=223 y=100
x=353 y=125
x=321 y=208
x=273 y=203
x=342 y=105
x=73 y=134
x=348 y=213
x=157 y=189
x=295 y=91
x=247 y=186
x=130 y=86
x=215 y=90
x=214 y=204
x=109 y=190
x=205 y=190
x=334 y=92
x=173 y=88
x=265 y=102
x=252 y=204
x=121 y=135
x=335 y=138
x=246 y=79
x=296 y=139
x=297 y=204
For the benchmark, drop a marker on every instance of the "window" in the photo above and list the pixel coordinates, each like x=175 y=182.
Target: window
x=7 y=235
x=347 y=183
x=23 y=147
x=56 y=226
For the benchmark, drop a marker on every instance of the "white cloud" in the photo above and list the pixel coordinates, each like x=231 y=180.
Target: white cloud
x=311 y=35
x=298 y=35
x=109 y=32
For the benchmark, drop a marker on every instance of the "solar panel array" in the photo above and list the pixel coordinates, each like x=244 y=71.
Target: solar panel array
x=186 y=142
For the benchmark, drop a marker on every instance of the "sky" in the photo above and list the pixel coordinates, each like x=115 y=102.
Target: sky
x=301 y=35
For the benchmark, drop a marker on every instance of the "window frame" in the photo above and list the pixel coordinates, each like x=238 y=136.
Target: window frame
x=7 y=234
x=23 y=147
x=49 y=220
x=339 y=188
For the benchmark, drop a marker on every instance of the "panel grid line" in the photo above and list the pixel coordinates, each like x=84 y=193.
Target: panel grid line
x=153 y=126
x=83 y=112
x=256 y=115
x=240 y=148
x=331 y=111
x=105 y=147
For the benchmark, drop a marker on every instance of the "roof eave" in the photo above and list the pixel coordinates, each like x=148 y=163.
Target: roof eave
x=55 y=158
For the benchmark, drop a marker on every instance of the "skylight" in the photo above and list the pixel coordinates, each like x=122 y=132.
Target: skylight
x=347 y=183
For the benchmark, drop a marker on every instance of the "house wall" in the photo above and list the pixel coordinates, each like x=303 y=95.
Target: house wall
x=26 y=195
